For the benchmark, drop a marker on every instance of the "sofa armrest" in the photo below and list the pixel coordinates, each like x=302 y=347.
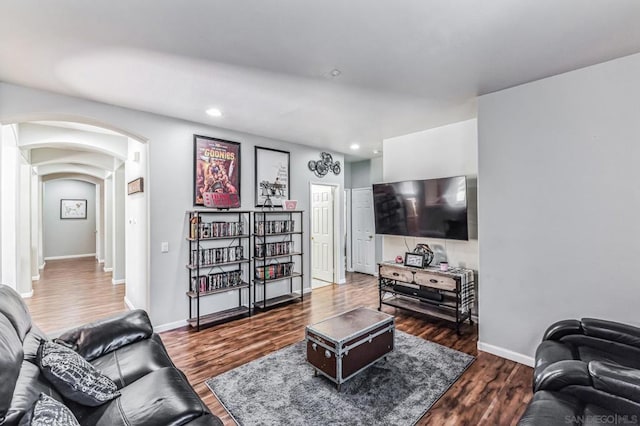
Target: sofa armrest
x=561 y=374
x=612 y=331
x=559 y=329
x=101 y=337
x=616 y=380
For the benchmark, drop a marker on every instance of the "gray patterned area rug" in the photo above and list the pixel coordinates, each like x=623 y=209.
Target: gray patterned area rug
x=280 y=389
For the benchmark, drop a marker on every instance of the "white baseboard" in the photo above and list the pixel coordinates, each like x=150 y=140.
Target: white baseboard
x=305 y=290
x=342 y=281
x=170 y=326
x=43 y=265
x=73 y=256
x=100 y=260
x=35 y=278
x=27 y=294
x=349 y=269
x=129 y=304
x=116 y=282
x=107 y=269
x=506 y=353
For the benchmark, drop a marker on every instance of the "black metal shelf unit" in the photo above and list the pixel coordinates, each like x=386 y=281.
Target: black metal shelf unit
x=218 y=263
x=277 y=239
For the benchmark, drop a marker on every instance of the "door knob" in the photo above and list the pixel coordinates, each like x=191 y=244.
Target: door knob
x=370 y=236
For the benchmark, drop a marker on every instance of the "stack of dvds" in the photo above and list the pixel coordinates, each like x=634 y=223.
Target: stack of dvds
x=216 y=281
x=221 y=229
x=274 y=227
x=278 y=270
x=213 y=256
x=273 y=249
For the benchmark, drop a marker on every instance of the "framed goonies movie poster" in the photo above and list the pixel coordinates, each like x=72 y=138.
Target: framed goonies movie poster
x=216 y=172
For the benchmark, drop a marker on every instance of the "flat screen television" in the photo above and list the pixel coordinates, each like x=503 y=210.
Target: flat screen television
x=434 y=208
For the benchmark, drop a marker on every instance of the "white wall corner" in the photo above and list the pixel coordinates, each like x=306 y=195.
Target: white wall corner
x=107 y=269
x=35 y=278
x=27 y=294
x=116 y=282
x=129 y=304
x=170 y=326
x=507 y=354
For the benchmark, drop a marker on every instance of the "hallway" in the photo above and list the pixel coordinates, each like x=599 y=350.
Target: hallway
x=71 y=292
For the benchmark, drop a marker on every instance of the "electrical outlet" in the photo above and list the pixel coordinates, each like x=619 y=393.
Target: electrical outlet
x=164 y=247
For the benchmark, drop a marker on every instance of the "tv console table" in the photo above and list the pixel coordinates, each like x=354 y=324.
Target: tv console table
x=446 y=295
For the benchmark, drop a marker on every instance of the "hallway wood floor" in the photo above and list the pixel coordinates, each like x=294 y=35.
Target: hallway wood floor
x=72 y=292
x=493 y=391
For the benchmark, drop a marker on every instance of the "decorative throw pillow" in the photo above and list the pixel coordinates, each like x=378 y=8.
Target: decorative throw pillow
x=46 y=411
x=73 y=376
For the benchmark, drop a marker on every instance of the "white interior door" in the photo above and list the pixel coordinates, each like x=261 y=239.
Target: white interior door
x=362 y=225
x=322 y=232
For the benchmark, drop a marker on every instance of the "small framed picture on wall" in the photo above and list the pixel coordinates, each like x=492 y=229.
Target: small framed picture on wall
x=73 y=209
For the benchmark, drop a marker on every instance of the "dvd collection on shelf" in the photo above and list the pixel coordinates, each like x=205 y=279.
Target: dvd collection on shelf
x=274 y=227
x=216 y=229
x=273 y=249
x=216 y=281
x=278 y=270
x=217 y=255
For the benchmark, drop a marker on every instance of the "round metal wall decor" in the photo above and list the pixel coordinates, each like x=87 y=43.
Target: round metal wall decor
x=322 y=167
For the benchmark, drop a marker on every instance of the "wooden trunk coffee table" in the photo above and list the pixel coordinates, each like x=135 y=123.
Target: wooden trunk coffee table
x=342 y=346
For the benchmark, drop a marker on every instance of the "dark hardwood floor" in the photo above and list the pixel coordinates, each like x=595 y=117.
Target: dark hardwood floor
x=493 y=391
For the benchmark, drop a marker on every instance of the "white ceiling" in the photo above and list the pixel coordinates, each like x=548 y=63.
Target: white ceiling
x=405 y=65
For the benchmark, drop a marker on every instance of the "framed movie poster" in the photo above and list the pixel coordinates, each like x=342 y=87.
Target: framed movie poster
x=73 y=209
x=272 y=177
x=216 y=172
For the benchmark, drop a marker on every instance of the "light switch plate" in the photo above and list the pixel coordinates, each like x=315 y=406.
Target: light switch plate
x=164 y=247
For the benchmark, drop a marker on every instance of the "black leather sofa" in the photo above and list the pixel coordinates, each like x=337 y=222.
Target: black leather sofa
x=586 y=372
x=124 y=347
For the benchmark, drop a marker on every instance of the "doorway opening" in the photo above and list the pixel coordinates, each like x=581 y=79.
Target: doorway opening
x=70 y=210
x=324 y=264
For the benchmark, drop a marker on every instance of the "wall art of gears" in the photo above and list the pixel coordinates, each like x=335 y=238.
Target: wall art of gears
x=321 y=168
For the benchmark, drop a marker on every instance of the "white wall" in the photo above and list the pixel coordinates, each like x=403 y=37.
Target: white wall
x=108 y=224
x=9 y=171
x=445 y=151
x=118 y=239
x=35 y=225
x=68 y=237
x=137 y=227
x=170 y=180
x=559 y=201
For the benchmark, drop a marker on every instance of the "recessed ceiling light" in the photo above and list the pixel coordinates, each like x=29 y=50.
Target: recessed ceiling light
x=354 y=146
x=214 y=112
x=335 y=72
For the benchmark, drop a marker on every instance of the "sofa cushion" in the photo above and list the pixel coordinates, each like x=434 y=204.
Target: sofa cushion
x=129 y=363
x=46 y=411
x=100 y=337
x=73 y=376
x=31 y=383
x=10 y=361
x=161 y=397
x=16 y=311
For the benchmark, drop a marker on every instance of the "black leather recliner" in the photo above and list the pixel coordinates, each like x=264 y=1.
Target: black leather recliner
x=124 y=347
x=586 y=340
x=586 y=393
x=586 y=372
